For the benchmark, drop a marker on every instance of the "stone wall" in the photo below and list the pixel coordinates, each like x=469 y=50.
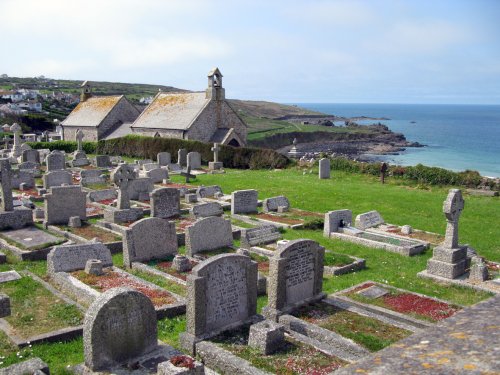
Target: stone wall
x=123 y=112
x=89 y=133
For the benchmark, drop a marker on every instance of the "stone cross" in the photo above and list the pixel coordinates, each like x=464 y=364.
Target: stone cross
x=5 y=186
x=122 y=176
x=16 y=149
x=452 y=208
x=216 y=150
x=188 y=174
x=79 y=139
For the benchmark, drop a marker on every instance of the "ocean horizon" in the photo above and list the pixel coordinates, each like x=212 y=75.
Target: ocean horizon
x=457 y=136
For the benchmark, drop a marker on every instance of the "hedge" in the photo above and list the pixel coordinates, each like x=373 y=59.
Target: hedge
x=148 y=147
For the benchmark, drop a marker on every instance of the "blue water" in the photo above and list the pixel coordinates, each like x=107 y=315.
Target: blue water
x=458 y=137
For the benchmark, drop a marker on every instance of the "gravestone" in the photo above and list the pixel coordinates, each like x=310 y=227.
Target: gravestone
x=368 y=220
x=9 y=276
x=119 y=326
x=216 y=164
x=209 y=233
x=101 y=195
x=450 y=259
x=5 y=186
x=16 y=148
x=324 y=168
x=63 y=202
x=103 y=161
x=157 y=175
x=150 y=166
x=92 y=176
x=244 y=201
x=163 y=159
x=79 y=156
x=55 y=161
x=57 y=178
x=139 y=188
x=69 y=258
x=31 y=155
x=208 y=191
x=295 y=277
x=222 y=293
x=182 y=157
x=121 y=177
x=165 y=202
x=273 y=204
x=19 y=177
x=262 y=235
x=30 y=167
x=206 y=210
x=193 y=160
x=149 y=239
x=335 y=220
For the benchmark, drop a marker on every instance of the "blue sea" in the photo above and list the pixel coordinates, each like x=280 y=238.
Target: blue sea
x=458 y=137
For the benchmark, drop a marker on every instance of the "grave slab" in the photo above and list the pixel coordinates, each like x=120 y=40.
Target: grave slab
x=373 y=292
x=9 y=276
x=30 y=237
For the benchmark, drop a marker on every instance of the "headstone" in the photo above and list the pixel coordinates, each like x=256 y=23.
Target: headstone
x=165 y=203
x=174 y=168
x=19 y=177
x=182 y=157
x=157 y=175
x=119 y=326
x=9 y=276
x=92 y=176
x=5 y=186
x=209 y=233
x=368 y=220
x=69 y=258
x=55 y=161
x=150 y=166
x=208 y=191
x=222 y=293
x=31 y=155
x=274 y=203
x=259 y=236
x=101 y=195
x=295 y=277
x=334 y=220
x=63 y=202
x=194 y=160
x=139 y=188
x=149 y=239
x=103 y=161
x=266 y=336
x=4 y=305
x=450 y=259
x=244 y=201
x=16 y=148
x=206 y=210
x=163 y=159
x=324 y=168
x=122 y=176
x=57 y=178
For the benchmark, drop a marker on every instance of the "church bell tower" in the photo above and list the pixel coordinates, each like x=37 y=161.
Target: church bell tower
x=86 y=91
x=215 y=91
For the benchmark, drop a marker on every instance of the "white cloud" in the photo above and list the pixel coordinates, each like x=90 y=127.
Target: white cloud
x=330 y=13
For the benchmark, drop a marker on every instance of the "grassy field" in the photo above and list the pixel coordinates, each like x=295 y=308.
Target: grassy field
x=397 y=201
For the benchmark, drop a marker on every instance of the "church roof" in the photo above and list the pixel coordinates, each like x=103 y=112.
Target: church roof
x=172 y=111
x=92 y=112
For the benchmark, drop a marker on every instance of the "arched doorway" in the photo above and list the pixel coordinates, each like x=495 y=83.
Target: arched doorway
x=234 y=143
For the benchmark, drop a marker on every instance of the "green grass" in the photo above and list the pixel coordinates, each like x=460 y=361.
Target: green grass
x=336 y=260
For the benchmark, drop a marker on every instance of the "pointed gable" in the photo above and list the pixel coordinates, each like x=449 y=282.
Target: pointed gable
x=93 y=111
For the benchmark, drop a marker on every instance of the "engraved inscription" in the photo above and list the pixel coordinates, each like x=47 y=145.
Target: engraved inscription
x=299 y=274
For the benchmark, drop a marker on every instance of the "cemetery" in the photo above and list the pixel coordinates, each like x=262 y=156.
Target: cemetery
x=233 y=271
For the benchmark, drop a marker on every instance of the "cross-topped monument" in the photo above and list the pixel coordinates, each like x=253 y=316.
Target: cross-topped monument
x=79 y=139
x=187 y=174
x=122 y=176
x=5 y=186
x=216 y=150
x=216 y=164
x=16 y=149
x=452 y=208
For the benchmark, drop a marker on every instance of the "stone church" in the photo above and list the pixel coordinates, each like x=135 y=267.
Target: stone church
x=98 y=116
x=202 y=116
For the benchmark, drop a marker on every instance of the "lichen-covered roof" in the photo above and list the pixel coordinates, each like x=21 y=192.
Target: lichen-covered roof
x=92 y=111
x=172 y=111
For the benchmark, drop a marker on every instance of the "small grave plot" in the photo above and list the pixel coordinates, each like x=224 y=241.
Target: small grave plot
x=89 y=232
x=293 y=357
x=35 y=310
x=94 y=210
x=404 y=302
x=337 y=260
x=433 y=238
x=165 y=265
x=27 y=193
x=308 y=219
x=386 y=239
x=31 y=238
x=99 y=186
x=170 y=285
x=242 y=224
x=183 y=222
x=113 y=279
x=368 y=332
x=277 y=218
x=211 y=253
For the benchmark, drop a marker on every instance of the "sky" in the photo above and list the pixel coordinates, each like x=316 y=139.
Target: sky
x=290 y=51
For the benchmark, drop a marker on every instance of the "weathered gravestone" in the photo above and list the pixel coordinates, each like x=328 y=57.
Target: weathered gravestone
x=450 y=259
x=139 y=188
x=150 y=166
x=10 y=218
x=123 y=176
x=63 y=202
x=119 y=327
x=148 y=239
x=30 y=167
x=216 y=164
x=92 y=177
x=194 y=160
x=31 y=155
x=208 y=191
x=206 y=210
x=103 y=161
x=55 y=161
x=165 y=202
x=69 y=258
x=276 y=204
x=182 y=157
x=335 y=220
x=57 y=178
x=324 y=168
x=259 y=236
x=157 y=175
x=19 y=177
x=368 y=220
x=244 y=201
x=16 y=148
x=295 y=277
x=222 y=294
x=209 y=233
x=4 y=305
x=164 y=159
